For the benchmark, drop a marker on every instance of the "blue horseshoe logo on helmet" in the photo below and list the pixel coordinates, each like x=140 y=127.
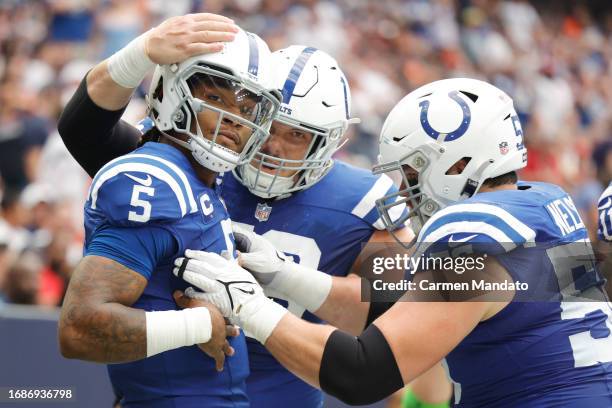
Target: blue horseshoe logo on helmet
x=455 y=134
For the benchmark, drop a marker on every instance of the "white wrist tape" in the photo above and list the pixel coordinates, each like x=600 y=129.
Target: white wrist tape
x=306 y=286
x=128 y=66
x=259 y=317
x=171 y=329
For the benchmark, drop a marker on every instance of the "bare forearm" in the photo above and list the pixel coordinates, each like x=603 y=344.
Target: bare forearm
x=109 y=333
x=97 y=322
x=104 y=91
x=343 y=307
x=298 y=345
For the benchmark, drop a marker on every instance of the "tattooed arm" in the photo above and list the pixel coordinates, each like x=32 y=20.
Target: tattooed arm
x=97 y=322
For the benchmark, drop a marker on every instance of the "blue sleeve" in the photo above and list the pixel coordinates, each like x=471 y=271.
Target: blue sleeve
x=139 y=249
x=135 y=191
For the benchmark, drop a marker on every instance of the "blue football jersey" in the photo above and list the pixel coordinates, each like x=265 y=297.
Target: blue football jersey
x=605 y=215
x=322 y=227
x=152 y=201
x=554 y=350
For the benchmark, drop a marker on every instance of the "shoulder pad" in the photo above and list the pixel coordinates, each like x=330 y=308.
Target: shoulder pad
x=140 y=188
x=484 y=228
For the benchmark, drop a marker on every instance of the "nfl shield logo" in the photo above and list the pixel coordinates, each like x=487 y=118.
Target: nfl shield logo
x=262 y=212
x=503 y=148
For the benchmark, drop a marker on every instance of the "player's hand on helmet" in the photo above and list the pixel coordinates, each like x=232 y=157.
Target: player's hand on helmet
x=225 y=283
x=217 y=347
x=181 y=37
x=260 y=257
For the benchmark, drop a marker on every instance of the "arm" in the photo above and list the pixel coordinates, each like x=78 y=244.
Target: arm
x=346 y=366
x=105 y=92
x=97 y=322
x=337 y=300
x=412 y=355
x=343 y=307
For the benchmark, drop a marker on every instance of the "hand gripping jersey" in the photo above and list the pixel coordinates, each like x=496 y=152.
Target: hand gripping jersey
x=322 y=227
x=555 y=348
x=143 y=210
x=605 y=215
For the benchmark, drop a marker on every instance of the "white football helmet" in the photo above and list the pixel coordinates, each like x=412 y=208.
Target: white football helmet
x=240 y=78
x=316 y=99
x=434 y=127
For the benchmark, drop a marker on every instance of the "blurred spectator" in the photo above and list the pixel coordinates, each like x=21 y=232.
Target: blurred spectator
x=15 y=219
x=23 y=279
x=119 y=23
x=71 y=20
x=602 y=157
x=21 y=138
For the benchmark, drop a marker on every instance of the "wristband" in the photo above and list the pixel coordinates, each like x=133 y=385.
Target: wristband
x=171 y=329
x=306 y=286
x=128 y=66
x=259 y=317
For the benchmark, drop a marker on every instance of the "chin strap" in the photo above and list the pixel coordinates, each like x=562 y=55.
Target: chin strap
x=473 y=184
x=178 y=141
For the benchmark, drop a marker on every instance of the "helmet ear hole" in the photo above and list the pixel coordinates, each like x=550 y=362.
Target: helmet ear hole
x=458 y=166
x=159 y=91
x=470 y=95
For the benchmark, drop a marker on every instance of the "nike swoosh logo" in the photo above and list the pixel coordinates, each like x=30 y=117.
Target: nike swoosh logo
x=605 y=205
x=248 y=292
x=451 y=240
x=145 y=182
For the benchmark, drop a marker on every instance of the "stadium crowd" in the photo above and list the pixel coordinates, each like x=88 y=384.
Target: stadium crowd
x=554 y=59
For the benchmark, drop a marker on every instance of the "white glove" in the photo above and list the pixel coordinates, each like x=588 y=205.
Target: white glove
x=258 y=255
x=232 y=289
x=279 y=275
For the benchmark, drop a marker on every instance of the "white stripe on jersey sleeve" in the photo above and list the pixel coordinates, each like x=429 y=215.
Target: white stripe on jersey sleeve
x=521 y=228
x=378 y=190
x=143 y=168
x=179 y=172
x=467 y=227
x=102 y=170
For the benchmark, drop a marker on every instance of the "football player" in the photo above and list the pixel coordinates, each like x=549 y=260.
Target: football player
x=604 y=233
x=319 y=211
x=212 y=112
x=605 y=215
x=457 y=145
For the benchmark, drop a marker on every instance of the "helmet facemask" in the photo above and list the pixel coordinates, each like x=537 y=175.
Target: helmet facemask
x=226 y=119
x=268 y=175
x=409 y=171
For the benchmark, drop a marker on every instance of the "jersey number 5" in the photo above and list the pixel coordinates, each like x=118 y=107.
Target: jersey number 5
x=592 y=346
x=138 y=202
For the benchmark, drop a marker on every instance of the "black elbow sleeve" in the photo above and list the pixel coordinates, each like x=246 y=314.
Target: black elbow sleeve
x=94 y=135
x=359 y=370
